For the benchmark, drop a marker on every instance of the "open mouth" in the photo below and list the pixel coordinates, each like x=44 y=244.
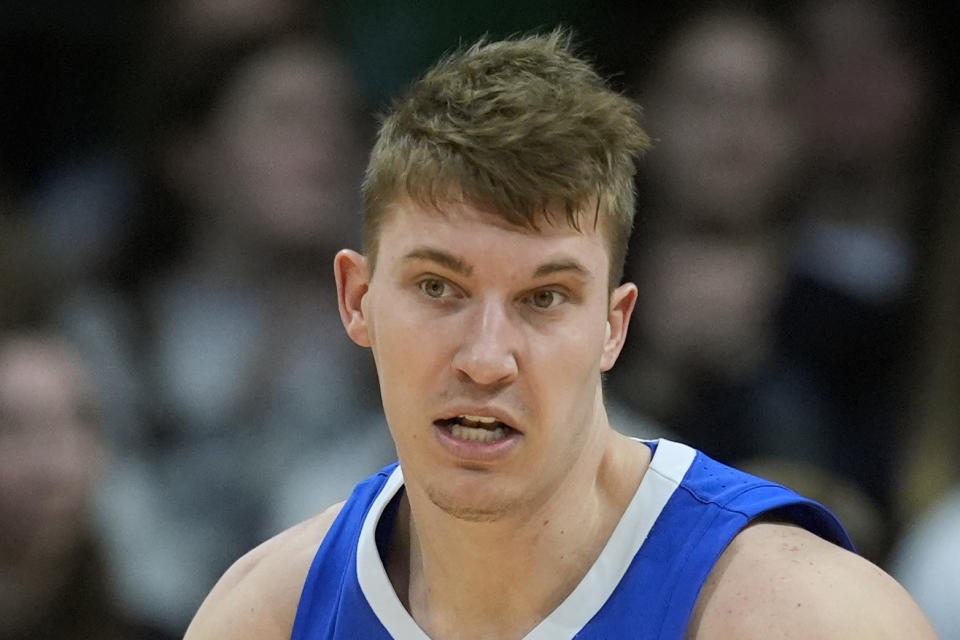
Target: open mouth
x=476 y=428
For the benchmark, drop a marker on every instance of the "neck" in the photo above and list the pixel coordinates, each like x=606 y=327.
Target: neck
x=500 y=579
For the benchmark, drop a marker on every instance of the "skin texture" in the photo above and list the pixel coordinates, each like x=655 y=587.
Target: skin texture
x=779 y=581
x=465 y=315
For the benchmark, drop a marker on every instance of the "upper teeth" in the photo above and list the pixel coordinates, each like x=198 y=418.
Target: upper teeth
x=481 y=419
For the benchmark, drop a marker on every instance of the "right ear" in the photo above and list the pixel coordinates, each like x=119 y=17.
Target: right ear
x=352 y=274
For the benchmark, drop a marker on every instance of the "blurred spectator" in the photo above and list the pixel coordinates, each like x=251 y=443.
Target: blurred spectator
x=847 y=325
x=252 y=391
x=88 y=207
x=707 y=254
x=711 y=259
x=193 y=269
x=782 y=220
x=53 y=582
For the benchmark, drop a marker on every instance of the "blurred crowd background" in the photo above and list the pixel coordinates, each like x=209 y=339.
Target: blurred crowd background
x=175 y=177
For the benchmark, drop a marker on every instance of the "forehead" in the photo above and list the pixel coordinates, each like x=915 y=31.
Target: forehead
x=462 y=228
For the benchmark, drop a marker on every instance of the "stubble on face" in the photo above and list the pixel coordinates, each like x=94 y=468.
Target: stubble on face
x=453 y=507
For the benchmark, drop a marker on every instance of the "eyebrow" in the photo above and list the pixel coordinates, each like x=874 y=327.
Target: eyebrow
x=458 y=265
x=443 y=258
x=560 y=266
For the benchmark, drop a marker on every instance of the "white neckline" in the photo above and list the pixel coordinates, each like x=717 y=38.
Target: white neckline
x=669 y=464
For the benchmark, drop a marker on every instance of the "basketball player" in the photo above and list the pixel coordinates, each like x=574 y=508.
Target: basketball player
x=498 y=202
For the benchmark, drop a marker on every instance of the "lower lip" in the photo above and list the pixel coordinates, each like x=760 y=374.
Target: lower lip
x=474 y=450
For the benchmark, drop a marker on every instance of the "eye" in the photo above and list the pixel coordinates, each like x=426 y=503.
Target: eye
x=545 y=299
x=435 y=288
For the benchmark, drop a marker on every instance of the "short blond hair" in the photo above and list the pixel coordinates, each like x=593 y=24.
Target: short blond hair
x=520 y=128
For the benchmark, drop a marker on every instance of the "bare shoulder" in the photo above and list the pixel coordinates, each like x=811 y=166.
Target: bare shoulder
x=257 y=597
x=779 y=581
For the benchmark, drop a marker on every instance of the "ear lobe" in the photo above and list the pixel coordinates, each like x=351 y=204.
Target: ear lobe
x=353 y=280
x=622 y=301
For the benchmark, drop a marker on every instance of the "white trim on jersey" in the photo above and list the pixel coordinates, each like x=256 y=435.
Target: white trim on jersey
x=669 y=465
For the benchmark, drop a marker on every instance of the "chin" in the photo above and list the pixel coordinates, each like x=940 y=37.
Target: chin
x=471 y=508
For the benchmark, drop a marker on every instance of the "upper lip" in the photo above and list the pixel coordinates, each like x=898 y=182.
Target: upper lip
x=501 y=415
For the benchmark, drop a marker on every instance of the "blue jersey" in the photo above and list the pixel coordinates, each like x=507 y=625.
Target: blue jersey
x=644 y=584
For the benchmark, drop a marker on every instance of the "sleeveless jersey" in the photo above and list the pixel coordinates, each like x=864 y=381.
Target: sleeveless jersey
x=643 y=585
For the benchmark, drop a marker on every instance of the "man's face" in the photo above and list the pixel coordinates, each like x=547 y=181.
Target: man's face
x=489 y=342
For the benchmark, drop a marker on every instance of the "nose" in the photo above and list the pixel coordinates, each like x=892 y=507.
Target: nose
x=488 y=350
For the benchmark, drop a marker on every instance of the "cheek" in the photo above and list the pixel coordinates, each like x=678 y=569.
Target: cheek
x=404 y=352
x=569 y=360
